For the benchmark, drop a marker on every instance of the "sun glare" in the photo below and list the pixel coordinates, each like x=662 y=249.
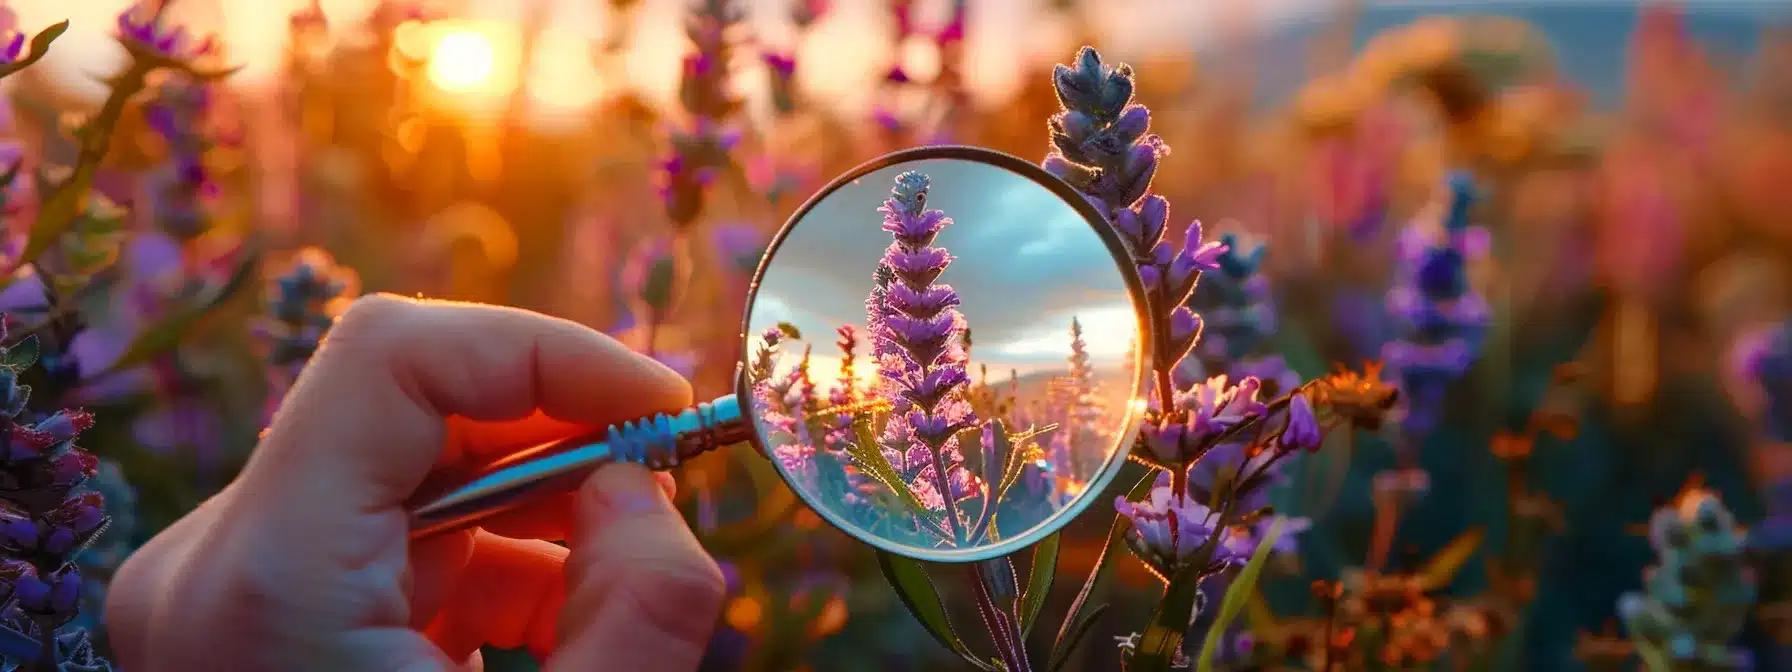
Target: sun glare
x=463 y=60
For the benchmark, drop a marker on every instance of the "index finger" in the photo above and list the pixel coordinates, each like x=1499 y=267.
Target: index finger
x=366 y=421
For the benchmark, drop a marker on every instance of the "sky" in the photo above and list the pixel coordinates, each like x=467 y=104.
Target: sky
x=845 y=53
x=1026 y=263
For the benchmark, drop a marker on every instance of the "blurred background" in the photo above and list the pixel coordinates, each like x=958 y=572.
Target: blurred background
x=623 y=163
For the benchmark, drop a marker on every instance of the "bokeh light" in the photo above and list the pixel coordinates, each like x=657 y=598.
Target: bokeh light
x=463 y=60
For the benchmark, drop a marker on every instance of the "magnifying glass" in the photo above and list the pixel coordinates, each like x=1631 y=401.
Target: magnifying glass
x=985 y=384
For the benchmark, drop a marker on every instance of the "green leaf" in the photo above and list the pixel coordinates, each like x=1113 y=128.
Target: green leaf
x=167 y=333
x=22 y=354
x=1261 y=618
x=912 y=585
x=1068 y=633
x=1441 y=569
x=1039 y=581
x=871 y=462
x=1654 y=659
x=40 y=45
x=1076 y=630
x=67 y=198
x=1237 y=596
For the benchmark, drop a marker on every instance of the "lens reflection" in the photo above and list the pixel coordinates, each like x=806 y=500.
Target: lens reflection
x=941 y=358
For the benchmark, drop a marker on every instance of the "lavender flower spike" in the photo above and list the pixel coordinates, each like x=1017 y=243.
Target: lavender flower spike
x=917 y=335
x=1443 y=319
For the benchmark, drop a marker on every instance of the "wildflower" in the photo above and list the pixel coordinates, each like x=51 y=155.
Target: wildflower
x=1695 y=601
x=1443 y=319
x=1302 y=429
x=1361 y=399
x=184 y=115
x=46 y=517
x=1168 y=529
x=921 y=360
x=782 y=68
x=142 y=26
x=699 y=151
x=303 y=303
x=12 y=40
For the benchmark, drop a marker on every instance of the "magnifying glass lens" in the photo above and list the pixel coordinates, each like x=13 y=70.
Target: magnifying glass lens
x=942 y=354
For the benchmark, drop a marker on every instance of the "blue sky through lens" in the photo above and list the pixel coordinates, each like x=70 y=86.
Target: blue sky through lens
x=1025 y=264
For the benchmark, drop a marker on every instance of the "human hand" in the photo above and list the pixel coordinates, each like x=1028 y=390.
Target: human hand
x=304 y=561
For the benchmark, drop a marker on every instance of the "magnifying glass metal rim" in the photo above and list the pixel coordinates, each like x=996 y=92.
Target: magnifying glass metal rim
x=1122 y=260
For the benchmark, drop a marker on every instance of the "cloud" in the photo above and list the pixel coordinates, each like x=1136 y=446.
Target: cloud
x=1025 y=260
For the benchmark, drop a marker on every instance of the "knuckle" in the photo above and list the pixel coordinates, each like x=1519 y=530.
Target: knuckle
x=374 y=313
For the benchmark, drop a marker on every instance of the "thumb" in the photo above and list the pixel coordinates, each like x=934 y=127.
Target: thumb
x=642 y=594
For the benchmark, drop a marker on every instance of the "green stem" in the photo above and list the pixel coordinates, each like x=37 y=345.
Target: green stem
x=66 y=199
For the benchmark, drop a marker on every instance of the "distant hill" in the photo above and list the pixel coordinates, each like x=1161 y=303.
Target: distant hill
x=1111 y=380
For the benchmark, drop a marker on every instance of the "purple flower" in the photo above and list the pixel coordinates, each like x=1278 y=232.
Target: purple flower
x=917 y=267
x=28 y=441
x=1289 y=540
x=1166 y=530
x=1185 y=325
x=44 y=514
x=922 y=303
x=1442 y=319
x=1174 y=438
x=1302 y=431
x=1269 y=369
x=12 y=40
x=923 y=339
x=143 y=25
x=1218 y=406
x=916 y=330
x=1196 y=257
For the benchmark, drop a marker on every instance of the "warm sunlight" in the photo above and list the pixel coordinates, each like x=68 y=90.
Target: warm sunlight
x=1108 y=331
x=562 y=79
x=463 y=60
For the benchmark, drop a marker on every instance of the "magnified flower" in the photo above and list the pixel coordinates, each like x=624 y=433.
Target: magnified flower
x=921 y=358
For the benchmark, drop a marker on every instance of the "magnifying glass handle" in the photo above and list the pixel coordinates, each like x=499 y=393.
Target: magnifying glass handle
x=658 y=442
